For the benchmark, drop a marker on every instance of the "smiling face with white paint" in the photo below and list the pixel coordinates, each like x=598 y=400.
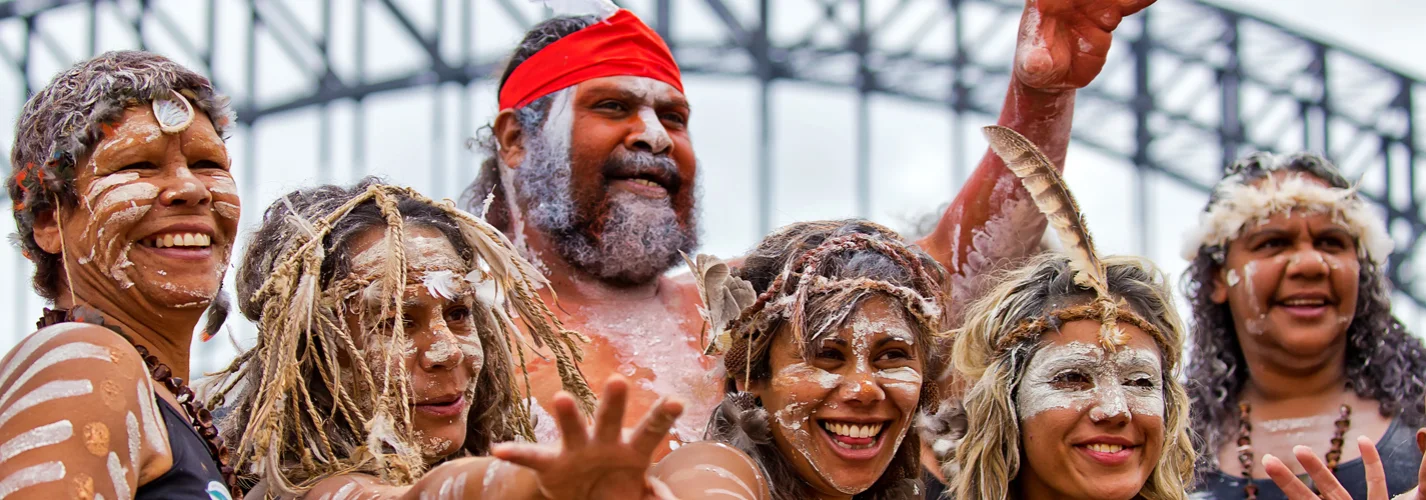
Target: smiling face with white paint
x=443 y=355
x=156 y=218
x=1091 y=421
x=1291 y=283
x=839 y=414
x=610 y=177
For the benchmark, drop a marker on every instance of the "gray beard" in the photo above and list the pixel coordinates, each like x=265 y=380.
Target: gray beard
x=641 y=238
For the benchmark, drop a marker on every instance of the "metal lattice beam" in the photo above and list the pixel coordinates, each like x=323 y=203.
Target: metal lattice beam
x=1189 y=87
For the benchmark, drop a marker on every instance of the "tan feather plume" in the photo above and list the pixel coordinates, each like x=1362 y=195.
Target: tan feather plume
x=1054 y=199
x=724 y=298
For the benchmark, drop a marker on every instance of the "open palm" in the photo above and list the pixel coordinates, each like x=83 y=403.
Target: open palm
x=1063 y=43
x=602 y=461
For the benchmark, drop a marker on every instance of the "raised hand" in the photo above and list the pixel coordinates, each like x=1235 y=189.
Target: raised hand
x=602 y=462
x=1327 y=483
x=1063 y=43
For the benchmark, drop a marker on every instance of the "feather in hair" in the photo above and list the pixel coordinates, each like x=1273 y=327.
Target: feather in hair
x=724 y=297
x=1055 y=200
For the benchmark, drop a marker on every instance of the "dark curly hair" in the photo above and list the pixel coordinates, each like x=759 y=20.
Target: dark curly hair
x=1384 y=361
x=530 y=118
x=63 y=121
x=741 y=421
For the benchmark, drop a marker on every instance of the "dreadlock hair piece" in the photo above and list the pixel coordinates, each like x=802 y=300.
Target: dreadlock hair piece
x=313 y=399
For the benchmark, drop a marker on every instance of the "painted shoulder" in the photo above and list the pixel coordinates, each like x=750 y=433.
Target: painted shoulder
x=78 y=416
x=708 y=469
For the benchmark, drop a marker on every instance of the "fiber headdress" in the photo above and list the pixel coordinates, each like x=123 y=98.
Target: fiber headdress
x=621 y=45
x=304 y=343
x=1237 y=204
x=1054 y=199
x=739 y=323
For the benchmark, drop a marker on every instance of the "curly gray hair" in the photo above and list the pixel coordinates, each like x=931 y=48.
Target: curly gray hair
x=61 y=122
x=1384 y=361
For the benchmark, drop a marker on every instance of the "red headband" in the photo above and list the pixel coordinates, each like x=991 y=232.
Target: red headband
x=619 y=46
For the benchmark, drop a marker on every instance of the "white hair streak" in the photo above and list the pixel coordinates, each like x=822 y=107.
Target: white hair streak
x=601 y=8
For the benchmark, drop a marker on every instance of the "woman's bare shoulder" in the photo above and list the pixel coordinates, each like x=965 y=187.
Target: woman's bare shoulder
x=709 y=469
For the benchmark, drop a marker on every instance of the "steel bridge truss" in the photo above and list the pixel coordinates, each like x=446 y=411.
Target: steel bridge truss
x=1188 y=88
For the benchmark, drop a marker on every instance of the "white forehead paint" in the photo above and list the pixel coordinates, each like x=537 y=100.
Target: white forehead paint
x=422 y=252
x=50 y=391
x=154 y=432
x=1108 y=392
x=1232 y=277
x=39 y=437
x=867 y=327
x=47 y=472
x=64 y=353
x=120 y=476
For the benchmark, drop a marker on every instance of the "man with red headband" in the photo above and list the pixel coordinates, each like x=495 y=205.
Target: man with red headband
x=591 y=172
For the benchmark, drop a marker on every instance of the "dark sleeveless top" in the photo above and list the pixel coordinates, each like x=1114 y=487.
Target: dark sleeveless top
x=1399 y=457
x=194 y=474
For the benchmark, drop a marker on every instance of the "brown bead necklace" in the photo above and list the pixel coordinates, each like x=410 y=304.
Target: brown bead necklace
x=199 y=417
x=1245 y=444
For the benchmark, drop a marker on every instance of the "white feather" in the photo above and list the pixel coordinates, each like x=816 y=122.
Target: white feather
x=601 y=8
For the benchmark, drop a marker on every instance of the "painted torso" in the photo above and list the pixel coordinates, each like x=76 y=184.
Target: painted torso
x=654 y=343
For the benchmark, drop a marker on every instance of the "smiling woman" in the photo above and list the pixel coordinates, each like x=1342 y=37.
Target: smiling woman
x=1065 y=413
x=124 y=202
x=1293 y=338
x=824 y=368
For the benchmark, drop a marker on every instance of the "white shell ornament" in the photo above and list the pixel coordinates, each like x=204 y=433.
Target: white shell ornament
x=174 y=113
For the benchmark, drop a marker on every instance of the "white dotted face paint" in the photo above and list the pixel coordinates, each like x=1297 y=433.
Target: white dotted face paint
x=1078 y=376
x=1232 y=277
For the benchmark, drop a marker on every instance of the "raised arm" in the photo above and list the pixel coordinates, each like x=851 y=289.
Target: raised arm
x=1061 y=47
x=78 y=417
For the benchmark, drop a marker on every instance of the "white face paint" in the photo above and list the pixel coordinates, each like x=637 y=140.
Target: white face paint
x=1079 y=376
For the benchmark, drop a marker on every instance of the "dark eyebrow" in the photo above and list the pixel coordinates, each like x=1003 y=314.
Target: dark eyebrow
x=600 y=94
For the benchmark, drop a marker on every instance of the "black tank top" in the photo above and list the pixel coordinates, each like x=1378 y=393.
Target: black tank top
x=194 y=474
x=1399 y=456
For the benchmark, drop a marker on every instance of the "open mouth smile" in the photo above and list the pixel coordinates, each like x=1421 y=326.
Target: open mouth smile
x=852 y=440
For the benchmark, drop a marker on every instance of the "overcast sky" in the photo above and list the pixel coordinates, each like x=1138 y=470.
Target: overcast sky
x=814 y=154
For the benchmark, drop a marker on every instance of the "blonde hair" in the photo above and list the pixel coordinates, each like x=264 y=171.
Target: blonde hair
x=987 y=460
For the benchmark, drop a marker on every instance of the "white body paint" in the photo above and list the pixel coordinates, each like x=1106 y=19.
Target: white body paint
x=131 y=424
x=154 y=431
x=120 y=477
x=345 y=492
x=39 y=437
x=47 y=472
x=61 y=354
x=1110 y=395
x=50 y=391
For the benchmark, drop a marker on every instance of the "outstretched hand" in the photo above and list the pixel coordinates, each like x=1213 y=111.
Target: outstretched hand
x=599 y=462
x=1327 y=483
x=1063 y=43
